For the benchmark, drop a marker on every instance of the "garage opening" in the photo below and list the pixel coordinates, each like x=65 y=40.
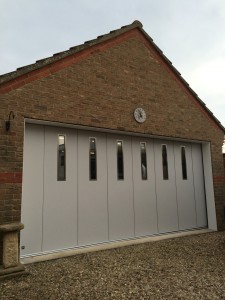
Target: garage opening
x=85 y=187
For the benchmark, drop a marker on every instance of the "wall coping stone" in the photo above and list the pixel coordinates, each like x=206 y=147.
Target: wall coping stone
x=11 y=227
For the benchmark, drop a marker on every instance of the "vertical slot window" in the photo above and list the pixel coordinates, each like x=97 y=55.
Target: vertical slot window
x=183 y=163
x=165 y=163
x=92 y=159
x=120 y=168
x=61 y=158
x=143 y=161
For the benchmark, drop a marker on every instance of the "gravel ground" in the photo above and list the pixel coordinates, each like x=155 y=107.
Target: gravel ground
x=191 y=267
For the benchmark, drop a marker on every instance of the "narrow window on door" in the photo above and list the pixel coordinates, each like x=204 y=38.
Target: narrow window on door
x=183 y=163
x=165 y=163
x=92 y=159
x=120 y=170
x=143 y=161
x=61 y=176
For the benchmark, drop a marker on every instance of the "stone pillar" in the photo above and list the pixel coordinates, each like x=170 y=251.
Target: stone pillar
x=11 y=263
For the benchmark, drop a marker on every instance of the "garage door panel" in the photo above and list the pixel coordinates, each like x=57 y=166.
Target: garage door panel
x=32 y=194
x=199 y=188
x=185 y=186
x=92 y=188
x=60 y=196
x=165 y=186
x=145 y=206
x=120 y=191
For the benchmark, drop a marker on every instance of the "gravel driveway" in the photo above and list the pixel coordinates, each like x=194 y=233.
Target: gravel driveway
x=191 y=267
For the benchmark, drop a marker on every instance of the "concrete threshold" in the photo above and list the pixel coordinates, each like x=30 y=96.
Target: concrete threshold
x=109 y=245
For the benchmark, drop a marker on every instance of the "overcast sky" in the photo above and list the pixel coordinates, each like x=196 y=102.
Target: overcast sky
x=191 y=33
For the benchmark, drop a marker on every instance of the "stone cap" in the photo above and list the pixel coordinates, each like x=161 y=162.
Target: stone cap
x=11 y=227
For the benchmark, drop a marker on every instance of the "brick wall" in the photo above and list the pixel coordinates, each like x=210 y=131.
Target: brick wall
x=101 y=89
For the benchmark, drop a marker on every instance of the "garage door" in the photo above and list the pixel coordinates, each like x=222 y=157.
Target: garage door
x=86 y=187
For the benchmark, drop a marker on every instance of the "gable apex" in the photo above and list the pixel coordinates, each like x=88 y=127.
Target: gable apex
x=44 y=67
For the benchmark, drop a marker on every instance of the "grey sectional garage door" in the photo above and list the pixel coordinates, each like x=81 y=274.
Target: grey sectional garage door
x=86 y=187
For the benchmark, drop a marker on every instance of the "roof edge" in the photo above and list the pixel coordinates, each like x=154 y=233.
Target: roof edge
x=72 y=50
x=5 y=78
x=182 y=80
